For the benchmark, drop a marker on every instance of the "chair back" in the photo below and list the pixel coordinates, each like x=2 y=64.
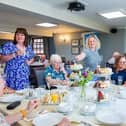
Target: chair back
x=39 y=74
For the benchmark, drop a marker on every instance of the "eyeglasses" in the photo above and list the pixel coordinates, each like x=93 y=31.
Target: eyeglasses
x=122 y=62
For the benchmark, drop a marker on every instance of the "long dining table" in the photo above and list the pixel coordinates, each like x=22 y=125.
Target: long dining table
x=117 y=103
x=28 y=122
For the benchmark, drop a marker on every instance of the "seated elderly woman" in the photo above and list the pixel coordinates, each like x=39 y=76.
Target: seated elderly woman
x=55 y=73
x=119 y=75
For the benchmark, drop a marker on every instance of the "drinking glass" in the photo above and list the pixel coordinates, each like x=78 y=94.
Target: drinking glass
x=113 y=95
x=120 y=80
x=2 y=85
x=4 y=76
x=88 y=108
x=40 y=90
x=113 y=82
x=29 y=91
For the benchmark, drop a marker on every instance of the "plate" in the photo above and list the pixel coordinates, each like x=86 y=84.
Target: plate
x=62 y=87
x=11 y=98
x=122 y=94
x=109 y=117
x=103 y=75
x=79 y=119
x=23 y=91
x=47 y=119
x=64 y=108
x=74 y=117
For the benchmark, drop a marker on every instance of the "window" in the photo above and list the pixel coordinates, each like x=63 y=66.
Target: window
x=38 y=45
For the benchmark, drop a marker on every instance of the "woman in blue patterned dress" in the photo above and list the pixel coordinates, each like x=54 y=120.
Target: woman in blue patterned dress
x=18 y=55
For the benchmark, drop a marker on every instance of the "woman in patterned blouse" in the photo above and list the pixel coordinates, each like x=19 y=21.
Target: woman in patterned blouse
x=55 y=73
x=18 y=55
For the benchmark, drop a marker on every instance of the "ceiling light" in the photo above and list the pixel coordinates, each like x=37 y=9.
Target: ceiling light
x=46 y=25
x=111 y=15
x=5 y=32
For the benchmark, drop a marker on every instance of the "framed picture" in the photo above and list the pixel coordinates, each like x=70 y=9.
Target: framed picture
x=75 y=50
x=81 y=43
x=75 y=42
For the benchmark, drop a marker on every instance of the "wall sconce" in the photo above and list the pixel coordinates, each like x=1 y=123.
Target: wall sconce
x=65 y=38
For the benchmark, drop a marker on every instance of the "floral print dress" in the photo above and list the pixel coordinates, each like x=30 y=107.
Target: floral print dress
x=16 y=70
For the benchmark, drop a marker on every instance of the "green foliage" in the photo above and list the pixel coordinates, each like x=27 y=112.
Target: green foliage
x=85 y=77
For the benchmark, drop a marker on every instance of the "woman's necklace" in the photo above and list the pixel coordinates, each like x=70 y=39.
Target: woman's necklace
x=21 y=49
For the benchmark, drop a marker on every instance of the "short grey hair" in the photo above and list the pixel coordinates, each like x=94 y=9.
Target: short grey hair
x=55 y=58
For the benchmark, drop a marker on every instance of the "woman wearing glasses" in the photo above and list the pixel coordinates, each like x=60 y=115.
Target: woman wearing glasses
x=55 y=73
x=119 y=75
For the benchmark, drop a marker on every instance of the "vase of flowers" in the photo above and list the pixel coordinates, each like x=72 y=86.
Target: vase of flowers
x=85 y=77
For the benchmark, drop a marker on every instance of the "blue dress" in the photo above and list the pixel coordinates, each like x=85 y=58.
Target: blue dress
x=16 y=70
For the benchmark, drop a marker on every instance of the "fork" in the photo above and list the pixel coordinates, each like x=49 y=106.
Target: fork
x=85 y=123
x=88 y=124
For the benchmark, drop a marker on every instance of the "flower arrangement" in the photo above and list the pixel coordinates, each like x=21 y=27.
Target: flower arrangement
x=85 y=76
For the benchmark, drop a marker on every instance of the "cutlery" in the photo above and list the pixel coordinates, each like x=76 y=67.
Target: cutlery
x=85 y=123
x=43 y=111
x=88 y=124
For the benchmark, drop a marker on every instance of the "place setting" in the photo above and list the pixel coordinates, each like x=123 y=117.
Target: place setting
x=109 y=117
x=8 y=98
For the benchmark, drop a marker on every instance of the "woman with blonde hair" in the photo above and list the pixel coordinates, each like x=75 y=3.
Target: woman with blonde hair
x=90 y=54
x=55 y=73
